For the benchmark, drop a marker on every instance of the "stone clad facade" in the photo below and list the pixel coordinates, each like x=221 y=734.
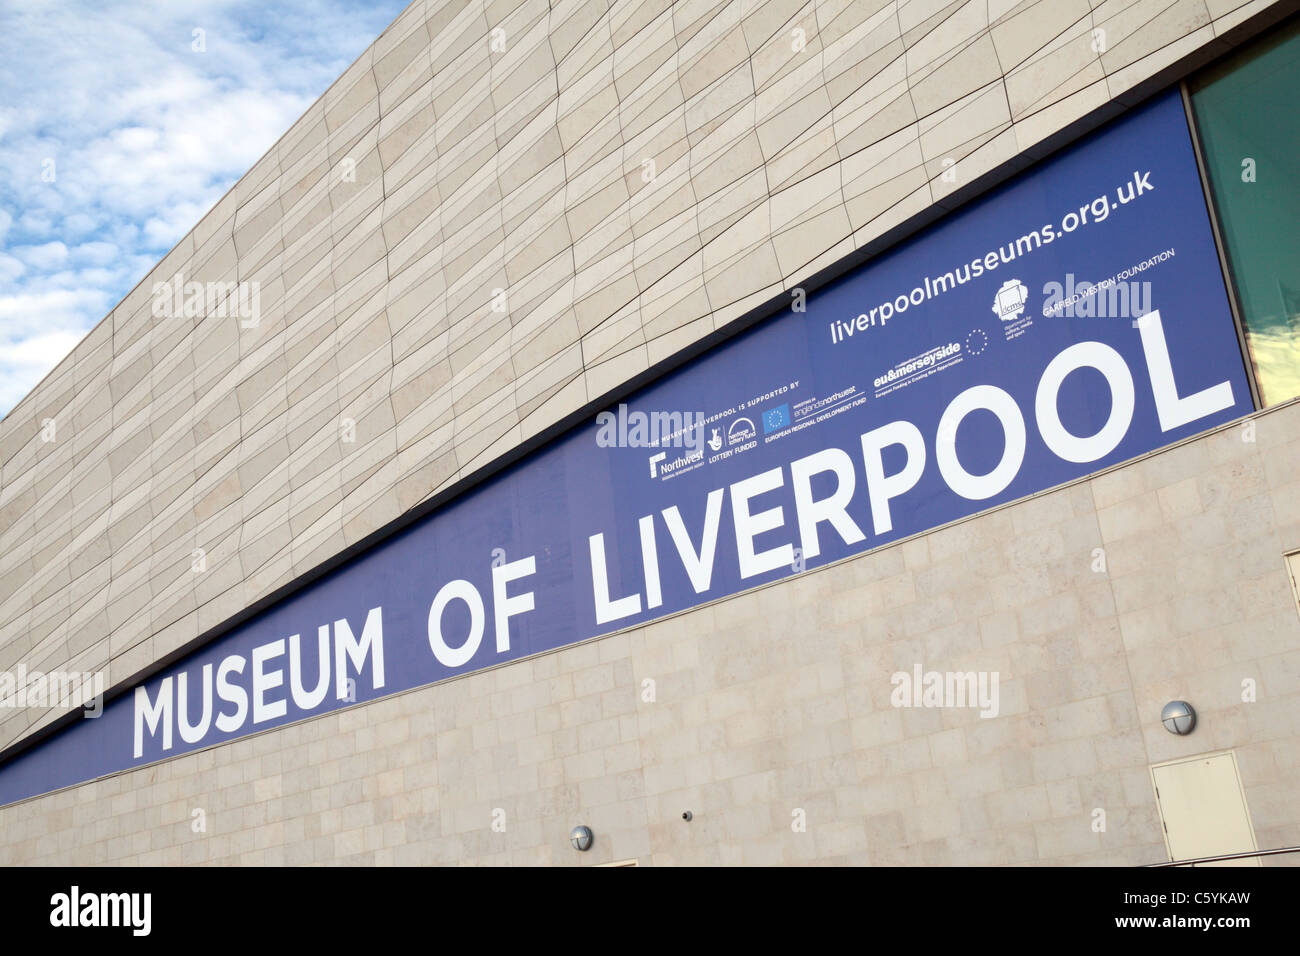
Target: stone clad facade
x=629 y=181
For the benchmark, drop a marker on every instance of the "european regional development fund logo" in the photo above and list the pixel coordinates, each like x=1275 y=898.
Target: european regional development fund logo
x=776 y=418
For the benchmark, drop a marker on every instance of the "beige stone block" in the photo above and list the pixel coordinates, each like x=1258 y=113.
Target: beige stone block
x=936 y=78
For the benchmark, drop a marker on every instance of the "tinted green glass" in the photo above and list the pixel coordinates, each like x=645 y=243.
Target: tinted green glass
x=1249 y=125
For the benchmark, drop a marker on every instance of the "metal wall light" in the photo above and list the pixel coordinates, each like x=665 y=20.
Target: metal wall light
x=581 y=838
x=1178 y=717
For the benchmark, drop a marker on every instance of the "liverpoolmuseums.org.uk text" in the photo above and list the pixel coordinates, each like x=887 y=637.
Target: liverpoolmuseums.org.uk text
x=1099 y=209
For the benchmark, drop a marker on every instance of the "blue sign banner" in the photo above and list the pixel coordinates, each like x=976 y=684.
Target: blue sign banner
x=1073 y=319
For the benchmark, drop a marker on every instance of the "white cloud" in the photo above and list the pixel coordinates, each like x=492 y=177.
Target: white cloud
x=43 y=351
x=10 y=268
x=94 y=253
x=44 y=257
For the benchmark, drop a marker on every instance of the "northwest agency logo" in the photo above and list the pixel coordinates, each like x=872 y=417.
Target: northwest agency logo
x=660 y=468
x=1010 y=300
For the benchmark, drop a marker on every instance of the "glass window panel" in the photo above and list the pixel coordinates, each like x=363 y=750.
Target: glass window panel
x=1249 y=126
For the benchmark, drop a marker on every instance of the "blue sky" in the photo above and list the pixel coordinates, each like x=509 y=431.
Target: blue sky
x=143 y=134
